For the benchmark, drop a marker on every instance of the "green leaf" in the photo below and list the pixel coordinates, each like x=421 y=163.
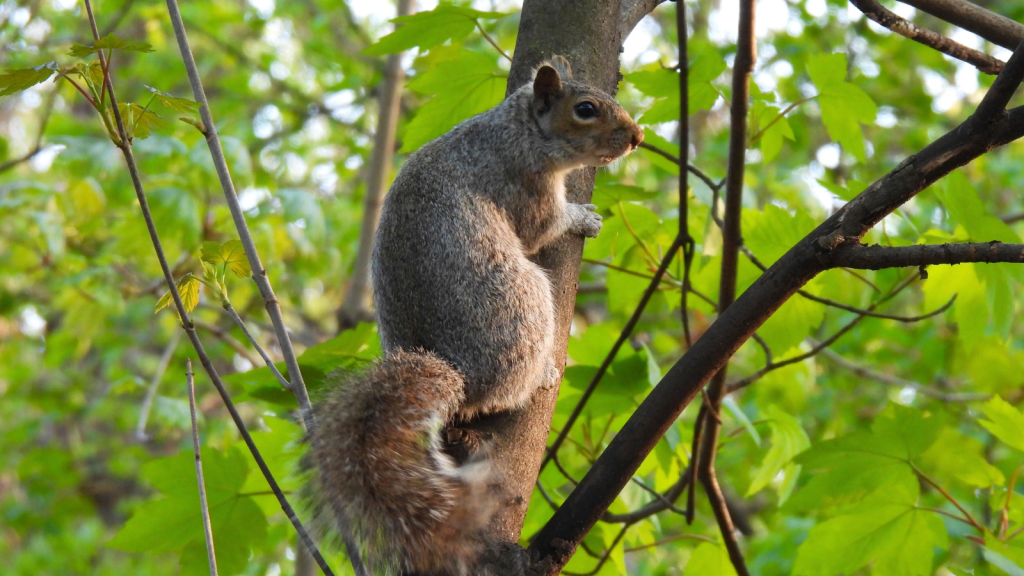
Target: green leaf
x=710 y=560
x=960 y=458
x=183 y=105
x=842 y=104
x=886 y=530
x=965 y=207
x=777 y=129
x=428 y=29
x=188 y=288
x=1004 y=422
x=17 y=80
x=1004 y=555
x=464 y=85
x=608 y=194
x=174 y=523
x=788 y=440
x=848 y=468
x=110 y=41
x=664 y=84
x=138 y=120
x=231 y=253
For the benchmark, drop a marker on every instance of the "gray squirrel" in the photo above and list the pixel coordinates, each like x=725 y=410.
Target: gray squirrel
x=466 y=318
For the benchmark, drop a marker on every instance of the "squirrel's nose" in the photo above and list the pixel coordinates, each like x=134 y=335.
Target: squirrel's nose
x=638 y=137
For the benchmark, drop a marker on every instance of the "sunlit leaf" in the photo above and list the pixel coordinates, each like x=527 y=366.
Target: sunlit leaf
x=110 y=41
x=183 y=105
x=17 y=80
x=188 y=289
x=231 y=253
x=430 y=28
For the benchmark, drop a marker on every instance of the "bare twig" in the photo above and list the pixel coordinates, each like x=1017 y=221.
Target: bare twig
x=203 y=506
x=124 y=145
x=833 y=304
x=222 y=335
x=866 y=372
x=690 y=167
x=259 y=349
x=878 y=13
x=259 y=274
x=684 y=160
x=604 y=557
x=669 y=539
x=154 y=383
x=743 y=66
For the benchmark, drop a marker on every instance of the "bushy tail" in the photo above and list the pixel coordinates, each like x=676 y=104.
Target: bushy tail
x=380 y=467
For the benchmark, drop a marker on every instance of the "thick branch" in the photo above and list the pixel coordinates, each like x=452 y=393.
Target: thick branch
x=877 y=257
x=875 y=11
x=598 y=489
x=997 y=29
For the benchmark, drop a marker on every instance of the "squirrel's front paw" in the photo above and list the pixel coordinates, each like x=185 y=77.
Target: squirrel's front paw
x=585 y=219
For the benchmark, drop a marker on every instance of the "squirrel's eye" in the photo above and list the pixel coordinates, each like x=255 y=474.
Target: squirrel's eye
x=585 y=110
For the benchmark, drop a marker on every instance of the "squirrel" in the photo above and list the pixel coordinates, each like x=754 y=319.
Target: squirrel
x=466 y=318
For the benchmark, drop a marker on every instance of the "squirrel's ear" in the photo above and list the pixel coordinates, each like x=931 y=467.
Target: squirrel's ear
x=546 y=83
x=562 y=65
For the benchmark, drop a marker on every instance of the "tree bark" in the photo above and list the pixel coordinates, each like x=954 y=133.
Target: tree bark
x=591 y=43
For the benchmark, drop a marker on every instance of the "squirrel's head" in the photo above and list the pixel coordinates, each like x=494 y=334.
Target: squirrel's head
x=592 y=123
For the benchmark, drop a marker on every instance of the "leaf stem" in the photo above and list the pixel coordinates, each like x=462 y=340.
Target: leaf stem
x=924 y=477
x=491 y=40
x=781 y=115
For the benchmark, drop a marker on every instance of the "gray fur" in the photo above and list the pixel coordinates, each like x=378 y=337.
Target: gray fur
x=452 y=267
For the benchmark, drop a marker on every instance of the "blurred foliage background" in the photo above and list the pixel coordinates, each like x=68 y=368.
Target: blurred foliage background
x=851 y=461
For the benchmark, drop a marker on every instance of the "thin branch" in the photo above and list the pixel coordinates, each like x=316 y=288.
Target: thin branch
x=878 y=13
x=877 y=257
x=993 y=27
x=624 y=270
x=1012 y=218
x=222 y=335
x=690 y=167
x=653 y=507
x=259 y=274
x=669 y=539
x=993 y=106
x=604 y=557
x=627 y=330
x=259 y=349
x=743 y=66
x=817 y=348
x=154 y=383
x=203 y=506
x=834 y=304
x=684 y=159
x=866 y=372
x=133 y=171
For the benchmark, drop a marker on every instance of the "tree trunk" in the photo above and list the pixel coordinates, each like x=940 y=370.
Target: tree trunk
x=589 y=34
